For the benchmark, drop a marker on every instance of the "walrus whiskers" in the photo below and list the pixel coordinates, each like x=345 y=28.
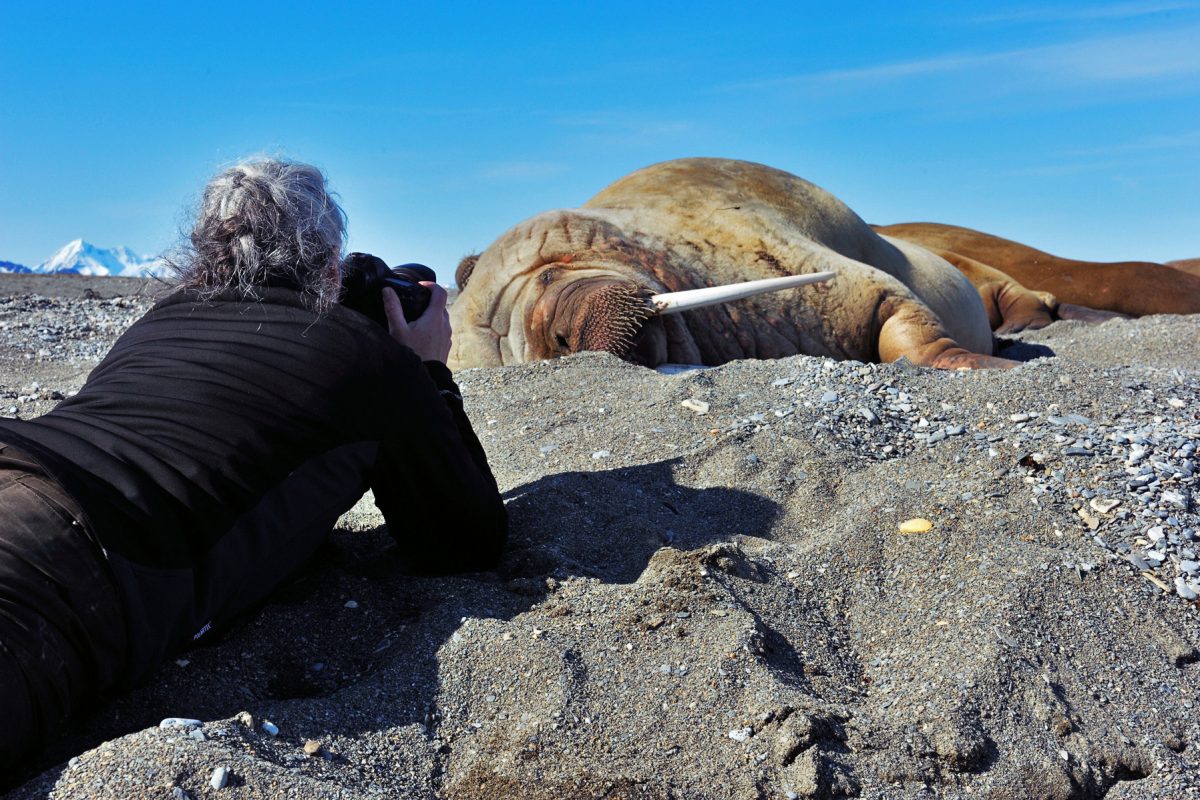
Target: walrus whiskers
x=677 y=302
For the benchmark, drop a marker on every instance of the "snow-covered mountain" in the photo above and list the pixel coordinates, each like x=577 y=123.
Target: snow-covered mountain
x=9 y=266
x=86 y=259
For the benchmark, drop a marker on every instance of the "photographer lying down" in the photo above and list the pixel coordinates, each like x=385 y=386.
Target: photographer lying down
x=213 y=449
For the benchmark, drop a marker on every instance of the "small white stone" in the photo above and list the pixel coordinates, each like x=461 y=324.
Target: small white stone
x=741 y=734
x=351 y=604
x=180 y=722
x=699 y=406
x=599 y=454
x=220 y=776
x=270 y=727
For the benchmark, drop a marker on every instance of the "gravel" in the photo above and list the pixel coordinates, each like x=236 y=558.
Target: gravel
x=723 y=604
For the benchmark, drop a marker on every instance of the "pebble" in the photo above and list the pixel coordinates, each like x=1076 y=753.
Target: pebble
x=916 y=525
x=1175 y=499
x=741 y=734
x=220 y=777
x=599 y=454
x=180 y=722
x=699 y=406
x=270 y=727
x=829 y=397
x=1184 y=591
x=351 y=604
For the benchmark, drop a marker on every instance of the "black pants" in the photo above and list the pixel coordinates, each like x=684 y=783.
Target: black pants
x=76 y=622
x=62 y=630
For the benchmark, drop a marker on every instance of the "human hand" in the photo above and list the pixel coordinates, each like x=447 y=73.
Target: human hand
x=429 y=334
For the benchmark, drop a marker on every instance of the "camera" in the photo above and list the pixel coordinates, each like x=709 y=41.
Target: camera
x=364 y=276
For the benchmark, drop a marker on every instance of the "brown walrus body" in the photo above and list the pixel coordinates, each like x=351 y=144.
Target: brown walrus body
x=1188 y=265
x=1135 y=288
x=580 y=279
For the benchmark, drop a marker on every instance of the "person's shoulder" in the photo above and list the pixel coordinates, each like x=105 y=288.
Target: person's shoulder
x=259 y=303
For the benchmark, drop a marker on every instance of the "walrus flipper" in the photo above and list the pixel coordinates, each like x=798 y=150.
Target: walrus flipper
x=1010 y=306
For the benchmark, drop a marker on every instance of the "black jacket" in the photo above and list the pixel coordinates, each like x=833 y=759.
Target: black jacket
x=216 y=436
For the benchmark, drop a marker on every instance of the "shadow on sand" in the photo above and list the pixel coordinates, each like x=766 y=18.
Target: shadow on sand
x=353 y=624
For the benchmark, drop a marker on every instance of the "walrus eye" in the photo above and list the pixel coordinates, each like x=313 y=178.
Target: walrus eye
x=561 y=341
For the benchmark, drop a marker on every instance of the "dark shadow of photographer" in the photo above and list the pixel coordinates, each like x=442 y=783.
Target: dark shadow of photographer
x=350 y=644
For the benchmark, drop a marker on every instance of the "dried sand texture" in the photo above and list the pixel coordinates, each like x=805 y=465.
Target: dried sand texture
x=721 y=604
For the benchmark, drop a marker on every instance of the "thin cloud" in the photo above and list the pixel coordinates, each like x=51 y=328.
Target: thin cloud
x=1084 y=13
x=1140 y=56
x=1112 y=160
x=1063 y=169
x=1143 y=56
x=1189 y=140
x=903 y=69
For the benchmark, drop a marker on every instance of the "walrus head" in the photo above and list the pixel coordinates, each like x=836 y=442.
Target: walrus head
x=590 y=293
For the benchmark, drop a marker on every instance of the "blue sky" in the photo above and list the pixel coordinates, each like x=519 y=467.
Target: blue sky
x=1072 y=127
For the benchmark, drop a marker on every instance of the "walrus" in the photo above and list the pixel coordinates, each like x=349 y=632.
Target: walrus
x=1188 y=265
x=1134 y=288
x=592 y=278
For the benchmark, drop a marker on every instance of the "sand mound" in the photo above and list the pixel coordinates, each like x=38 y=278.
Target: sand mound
x=715 y=599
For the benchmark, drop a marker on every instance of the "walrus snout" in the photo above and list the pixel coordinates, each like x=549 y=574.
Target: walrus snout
x=589 y=313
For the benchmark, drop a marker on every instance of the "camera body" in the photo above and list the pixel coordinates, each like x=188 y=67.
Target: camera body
x=364 y=276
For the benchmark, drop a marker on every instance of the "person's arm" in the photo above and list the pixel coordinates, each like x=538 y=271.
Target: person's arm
x=431 y=479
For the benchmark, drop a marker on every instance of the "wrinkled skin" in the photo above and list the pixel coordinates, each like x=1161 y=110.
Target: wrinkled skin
x=1132 y=288
x=577 y=279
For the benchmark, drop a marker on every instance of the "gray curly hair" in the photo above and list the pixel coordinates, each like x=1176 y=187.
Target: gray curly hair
x=266 y=222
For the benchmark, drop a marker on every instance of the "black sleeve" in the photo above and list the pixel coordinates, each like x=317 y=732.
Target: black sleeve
x=432 y=481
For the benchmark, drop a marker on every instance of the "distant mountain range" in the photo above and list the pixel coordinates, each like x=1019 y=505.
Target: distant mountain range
x=84 y=258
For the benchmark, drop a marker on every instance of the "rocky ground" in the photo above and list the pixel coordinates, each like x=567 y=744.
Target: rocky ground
x=711 y=591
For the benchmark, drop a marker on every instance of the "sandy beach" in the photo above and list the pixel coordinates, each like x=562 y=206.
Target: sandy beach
x=708 y=592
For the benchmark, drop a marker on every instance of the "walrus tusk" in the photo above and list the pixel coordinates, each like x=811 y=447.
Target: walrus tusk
x=675 y=302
